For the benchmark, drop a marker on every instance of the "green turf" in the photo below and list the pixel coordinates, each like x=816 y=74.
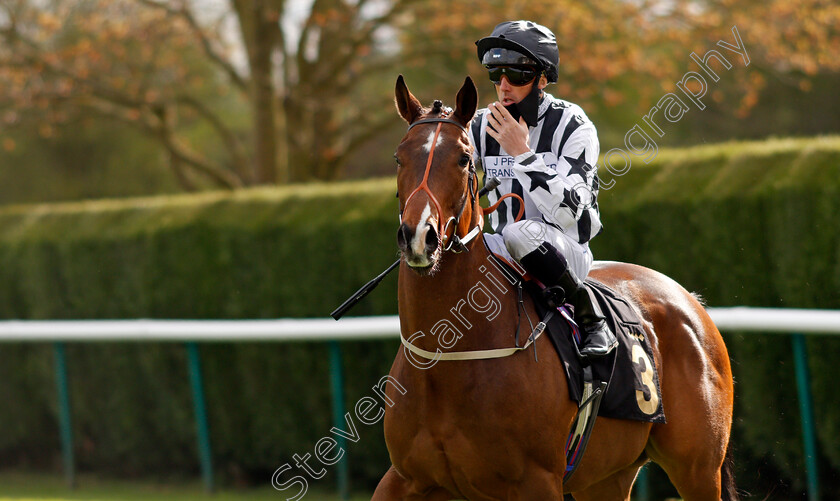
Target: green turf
x=40 y=487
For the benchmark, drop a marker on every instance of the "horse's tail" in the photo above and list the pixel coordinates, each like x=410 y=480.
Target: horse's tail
x=727 y=476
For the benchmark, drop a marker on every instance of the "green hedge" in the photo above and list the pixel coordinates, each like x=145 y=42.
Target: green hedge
x=293 y=252
x=740 y=223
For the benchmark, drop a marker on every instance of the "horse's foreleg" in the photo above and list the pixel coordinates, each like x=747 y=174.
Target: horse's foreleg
x=538 y=486
x=394 y=487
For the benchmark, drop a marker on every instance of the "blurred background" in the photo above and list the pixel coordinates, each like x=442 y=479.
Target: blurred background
x=221 y=159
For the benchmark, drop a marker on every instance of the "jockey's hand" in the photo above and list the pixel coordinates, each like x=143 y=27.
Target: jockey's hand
x=511 y=135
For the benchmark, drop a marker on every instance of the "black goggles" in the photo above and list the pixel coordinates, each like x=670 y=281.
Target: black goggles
x=516 y=76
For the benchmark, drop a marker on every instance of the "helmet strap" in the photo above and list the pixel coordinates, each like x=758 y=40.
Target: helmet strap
x=529 y=107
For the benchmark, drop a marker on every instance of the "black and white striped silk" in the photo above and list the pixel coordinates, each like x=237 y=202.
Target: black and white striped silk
x=558 y=183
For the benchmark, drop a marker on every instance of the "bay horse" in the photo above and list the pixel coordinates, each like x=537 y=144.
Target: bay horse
x=495 y=429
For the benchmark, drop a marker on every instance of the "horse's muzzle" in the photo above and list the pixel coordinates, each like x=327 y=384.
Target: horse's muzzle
x=419 y=246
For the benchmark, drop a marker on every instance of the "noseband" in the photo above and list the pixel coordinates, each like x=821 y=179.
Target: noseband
x=454 y=243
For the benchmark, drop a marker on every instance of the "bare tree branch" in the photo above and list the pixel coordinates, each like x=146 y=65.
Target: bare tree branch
x=369 y=130
x=157 y=123
x=239 y=157
x=339 y=66
x=206 y=44
x=156 y=119
x=223 y=177
x=180 y=173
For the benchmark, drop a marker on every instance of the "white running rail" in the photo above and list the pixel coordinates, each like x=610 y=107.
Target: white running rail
x=351 y=328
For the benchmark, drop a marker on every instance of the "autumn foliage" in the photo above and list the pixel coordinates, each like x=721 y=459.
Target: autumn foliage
x=313 y=95
x=114 y=59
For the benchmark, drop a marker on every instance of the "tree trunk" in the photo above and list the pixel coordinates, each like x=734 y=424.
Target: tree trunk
x=258 y=21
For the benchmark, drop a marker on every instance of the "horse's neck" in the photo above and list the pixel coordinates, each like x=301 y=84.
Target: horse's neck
x=469 y=293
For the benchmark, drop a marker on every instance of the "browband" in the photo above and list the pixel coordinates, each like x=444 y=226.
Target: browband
x=434 y=120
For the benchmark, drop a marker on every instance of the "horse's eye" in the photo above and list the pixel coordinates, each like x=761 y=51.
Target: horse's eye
x=397 y=160
x=464 y=161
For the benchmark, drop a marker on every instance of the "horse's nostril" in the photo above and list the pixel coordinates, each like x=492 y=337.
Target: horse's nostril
x=403 y=236
x=431 y=238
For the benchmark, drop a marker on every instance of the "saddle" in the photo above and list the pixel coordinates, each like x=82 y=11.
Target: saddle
x=621 y=385
x=632 y=390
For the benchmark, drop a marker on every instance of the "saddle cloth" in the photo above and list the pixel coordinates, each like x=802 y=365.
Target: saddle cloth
x=633 y=383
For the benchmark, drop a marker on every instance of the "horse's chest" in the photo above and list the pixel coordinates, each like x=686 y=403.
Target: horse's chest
x=458 y=434
x=462 y=461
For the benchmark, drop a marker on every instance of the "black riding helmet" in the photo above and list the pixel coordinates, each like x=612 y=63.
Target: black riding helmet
x=524 y=43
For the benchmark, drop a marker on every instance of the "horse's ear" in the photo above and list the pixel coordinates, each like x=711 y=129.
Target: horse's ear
x=408 y=105
x=466 y=102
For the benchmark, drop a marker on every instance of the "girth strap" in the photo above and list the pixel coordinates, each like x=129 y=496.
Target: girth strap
x=471 y=355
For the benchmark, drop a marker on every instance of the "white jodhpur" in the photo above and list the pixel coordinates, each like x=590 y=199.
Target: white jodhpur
x=523 y=237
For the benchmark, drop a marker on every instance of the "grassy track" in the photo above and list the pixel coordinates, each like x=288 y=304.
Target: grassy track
x=37 y=487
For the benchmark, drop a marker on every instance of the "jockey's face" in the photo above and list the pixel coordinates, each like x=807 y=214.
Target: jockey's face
x=510 y=94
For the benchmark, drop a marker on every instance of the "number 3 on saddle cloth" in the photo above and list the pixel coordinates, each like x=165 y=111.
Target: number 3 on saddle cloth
x=633 y=382
x=627 y=377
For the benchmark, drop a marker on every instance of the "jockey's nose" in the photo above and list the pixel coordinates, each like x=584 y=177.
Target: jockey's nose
x=504 y=83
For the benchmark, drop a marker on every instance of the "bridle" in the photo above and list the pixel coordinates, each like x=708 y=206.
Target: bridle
x=459 y=244
x=454 y=242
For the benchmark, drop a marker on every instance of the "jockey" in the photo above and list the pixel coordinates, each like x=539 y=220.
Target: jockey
x=543 y=149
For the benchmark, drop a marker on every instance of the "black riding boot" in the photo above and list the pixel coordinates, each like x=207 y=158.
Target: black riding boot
x=552 y=269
